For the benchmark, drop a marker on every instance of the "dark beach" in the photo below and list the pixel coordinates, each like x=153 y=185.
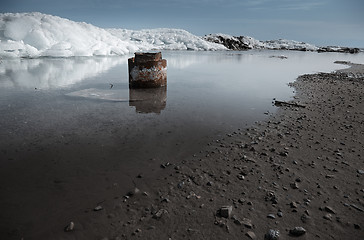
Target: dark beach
x=303 y=167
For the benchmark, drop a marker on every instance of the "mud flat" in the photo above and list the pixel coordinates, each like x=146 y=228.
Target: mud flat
x=299 y=174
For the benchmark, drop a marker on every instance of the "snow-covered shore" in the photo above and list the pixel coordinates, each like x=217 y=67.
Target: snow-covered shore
x=32 y=35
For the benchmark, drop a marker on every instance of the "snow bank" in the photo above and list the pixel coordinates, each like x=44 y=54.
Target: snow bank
x=165 y=39
x=37 y=35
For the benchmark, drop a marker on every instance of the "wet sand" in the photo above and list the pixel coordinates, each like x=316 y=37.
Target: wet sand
x=303 y=167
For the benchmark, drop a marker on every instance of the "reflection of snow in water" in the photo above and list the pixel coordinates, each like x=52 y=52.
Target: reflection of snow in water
x=43 y=73
x=102 y=94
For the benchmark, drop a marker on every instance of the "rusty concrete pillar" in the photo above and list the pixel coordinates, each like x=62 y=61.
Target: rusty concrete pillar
x=147 y=70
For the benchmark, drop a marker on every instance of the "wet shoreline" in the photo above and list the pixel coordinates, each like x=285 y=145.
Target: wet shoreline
x=222 y=174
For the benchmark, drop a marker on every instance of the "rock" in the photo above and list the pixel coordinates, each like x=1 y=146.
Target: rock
x=271 y=216
x=251 y=235
x=297 y=231
x=294 y=185
x=241 y=177
x=329 y=209
x=133 y=192
x=305 y=218
x=98 y=208
x=272 y=235
x=360 y=171
x=280 y=214
x=328 y=217
x=69 y=227
x=159 y=213
x=225 y=211
x=247 y=223
x=293 y=205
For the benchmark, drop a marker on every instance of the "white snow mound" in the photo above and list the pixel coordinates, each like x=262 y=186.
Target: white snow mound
x=36 y=35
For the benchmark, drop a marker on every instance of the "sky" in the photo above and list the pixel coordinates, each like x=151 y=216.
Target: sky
x=319 y=22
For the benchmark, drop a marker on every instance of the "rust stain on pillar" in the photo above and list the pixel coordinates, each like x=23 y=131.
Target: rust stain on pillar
x=147 y=70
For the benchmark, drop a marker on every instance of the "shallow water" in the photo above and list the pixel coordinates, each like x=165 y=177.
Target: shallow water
x=67 y=136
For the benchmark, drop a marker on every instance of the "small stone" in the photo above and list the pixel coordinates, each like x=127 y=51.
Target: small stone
x=360 y=171
x=133 y=192
x=294 y=185
x=69 y=227
x=293 y=205
x=271 y=216
x=209 y=184
x=160 y=213
x=251 y=235
x=329 y=209
x=297 y=231
x=272 y=235
x=280 y=214
x=225 y=211
x=283 y=154
x=328 y=217
x=305 y=218
x=241 y=177
x=98 y=208
x=247 y=223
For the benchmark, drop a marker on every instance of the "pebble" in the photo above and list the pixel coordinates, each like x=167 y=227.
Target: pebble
x=98 y=208
x=271 y=216
x=247 y=223
x=329 y=209
x=360 y=171
x=251 y=235
x=160 y=213
x=297 y=231
x=272 y=235
x=328 y=217
x=280 y=214
x=293 y=205
x=294 y=185
x=225 y=211
x=69 y=227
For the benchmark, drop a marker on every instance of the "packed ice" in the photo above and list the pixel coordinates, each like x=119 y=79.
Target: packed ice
x=37 y=35
x=33 y=35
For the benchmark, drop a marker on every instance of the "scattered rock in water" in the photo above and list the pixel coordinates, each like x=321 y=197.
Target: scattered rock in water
x=272 y=235
x=70 y=227
x=297 y=231
x=251 y=235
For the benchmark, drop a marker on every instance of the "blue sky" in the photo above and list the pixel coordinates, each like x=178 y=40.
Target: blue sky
x=321 y=22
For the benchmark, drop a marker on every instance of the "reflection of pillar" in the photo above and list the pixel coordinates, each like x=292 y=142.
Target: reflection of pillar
x=151 y=100
x=147 y=70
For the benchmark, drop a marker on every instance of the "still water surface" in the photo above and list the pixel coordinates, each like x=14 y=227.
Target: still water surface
x=67 y=135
